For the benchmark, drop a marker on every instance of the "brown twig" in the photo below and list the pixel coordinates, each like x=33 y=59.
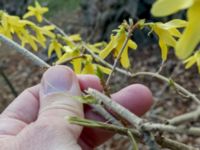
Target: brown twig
x=130 y=30
x=164 y=142
x=137 y=121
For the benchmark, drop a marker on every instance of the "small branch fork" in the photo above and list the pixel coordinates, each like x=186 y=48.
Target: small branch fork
x=141 y=125
x=162 y=141
x=151 y=74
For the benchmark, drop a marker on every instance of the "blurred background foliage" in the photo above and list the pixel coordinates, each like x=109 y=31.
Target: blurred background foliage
x=93 y=19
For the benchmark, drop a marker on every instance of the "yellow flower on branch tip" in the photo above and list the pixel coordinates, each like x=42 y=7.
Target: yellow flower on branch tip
x=71 y=39
x=69 y=54
x=116 y=44
x=83 y=65
x=189 y=62
x=9 y=24
x=26 y=38
x=47 y=30
x=167 y=32
x=12 y=24
x=55 y=46
x=93 y=48
x=92 y=68
x=191 y=35
x=36 y=11
x=41 y=32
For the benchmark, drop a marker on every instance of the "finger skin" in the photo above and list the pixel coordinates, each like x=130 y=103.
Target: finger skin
x=137 y=98
x=22 y=111
x=91 y=81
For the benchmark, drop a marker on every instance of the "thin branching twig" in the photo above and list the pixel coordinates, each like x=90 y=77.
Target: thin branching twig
x=156 y=75
x=130 y=30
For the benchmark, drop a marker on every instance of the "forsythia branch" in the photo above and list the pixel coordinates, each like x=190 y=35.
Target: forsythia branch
x=137 y=121
x=164 y=142
x=120 y=110
x=13 y=45
x=187 y=117
x=156 y=75
x=179 y=87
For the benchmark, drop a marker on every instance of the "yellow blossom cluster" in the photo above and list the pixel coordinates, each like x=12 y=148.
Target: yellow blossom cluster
x=190 y=38
x=70 y=48
x=65 y=47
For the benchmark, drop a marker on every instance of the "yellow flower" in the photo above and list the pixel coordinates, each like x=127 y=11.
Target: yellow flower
x=69 y=54
x=92 y=68
x=192 y=60
x=83 y=65
x=167 y=32
x=115 y=45
x=41 y=32
x=36 y=11
x=94 y=47
x=70 y=40
x=55 y=46
x=191 y=35
x=27 y=38
x=75 y=37
x=10 y=24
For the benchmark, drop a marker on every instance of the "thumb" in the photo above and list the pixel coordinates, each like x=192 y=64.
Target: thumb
x=58 y=86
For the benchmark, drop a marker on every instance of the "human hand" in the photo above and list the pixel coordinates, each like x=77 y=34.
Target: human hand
x=35 y=120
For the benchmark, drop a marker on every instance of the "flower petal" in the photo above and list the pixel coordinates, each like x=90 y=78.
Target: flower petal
x=190 y=62
x=77 y=65
x=167 y=7
x=191 y=35
x=175 y=23
x=124 y=58
x=104 y=69
x=132 y=44
x=107 y=50
x=164 y=49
